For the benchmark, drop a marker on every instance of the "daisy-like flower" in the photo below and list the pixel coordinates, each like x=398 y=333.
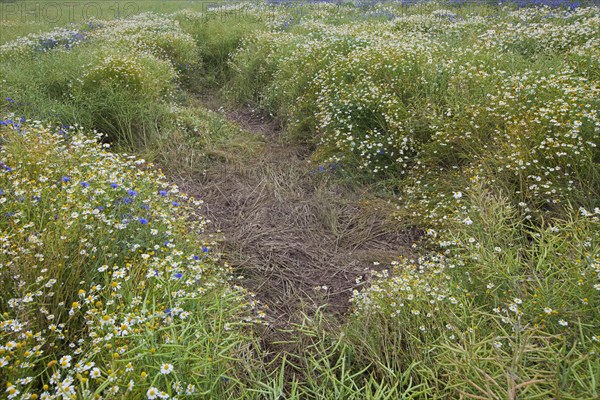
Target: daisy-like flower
x=166 y=369
x=190 y=389
x=548 y=310
x=163 y=395
x=95 y=373
x=562 y=322
x=65 y=361
x=152 y=393
x=12 y=391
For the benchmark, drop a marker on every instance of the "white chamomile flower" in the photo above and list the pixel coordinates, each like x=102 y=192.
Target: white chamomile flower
x=152 y=393
x=65 y=361
x=95 y=373
x=166 y=369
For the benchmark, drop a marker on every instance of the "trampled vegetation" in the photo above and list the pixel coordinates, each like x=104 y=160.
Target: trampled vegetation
x=478 y=125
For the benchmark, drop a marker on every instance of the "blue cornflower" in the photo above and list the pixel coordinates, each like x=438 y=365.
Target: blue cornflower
x=114 y=185
x=127 y=200
x=143 y=220
x=85 y=184
x=178 y=275
x=175 y=204
x=66 y=179
x=163 y=193
x=132 y=192
x=168 y=311
x=1 y=192
x=196 y=258
x=205 y=249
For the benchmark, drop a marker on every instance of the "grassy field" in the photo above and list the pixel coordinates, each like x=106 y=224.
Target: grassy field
x=475 y=127
x=19 y=18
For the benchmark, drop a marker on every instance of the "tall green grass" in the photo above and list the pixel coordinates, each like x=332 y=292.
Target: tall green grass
x=487 y=126
x=482 y=121
x=23 y=17
x=108 y=285
x=118 y=77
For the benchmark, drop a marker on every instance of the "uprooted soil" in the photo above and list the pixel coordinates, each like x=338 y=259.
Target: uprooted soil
x=301 y=238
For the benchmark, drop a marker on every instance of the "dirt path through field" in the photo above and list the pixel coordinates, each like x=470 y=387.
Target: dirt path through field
x=300 y=238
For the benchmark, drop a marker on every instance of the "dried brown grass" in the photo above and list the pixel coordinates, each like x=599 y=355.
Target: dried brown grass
x=300 y=237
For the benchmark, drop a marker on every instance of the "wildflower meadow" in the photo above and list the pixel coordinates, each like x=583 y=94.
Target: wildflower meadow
x=477 y=124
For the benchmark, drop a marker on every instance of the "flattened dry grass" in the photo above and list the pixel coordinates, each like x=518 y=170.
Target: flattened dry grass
x=299 y=235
